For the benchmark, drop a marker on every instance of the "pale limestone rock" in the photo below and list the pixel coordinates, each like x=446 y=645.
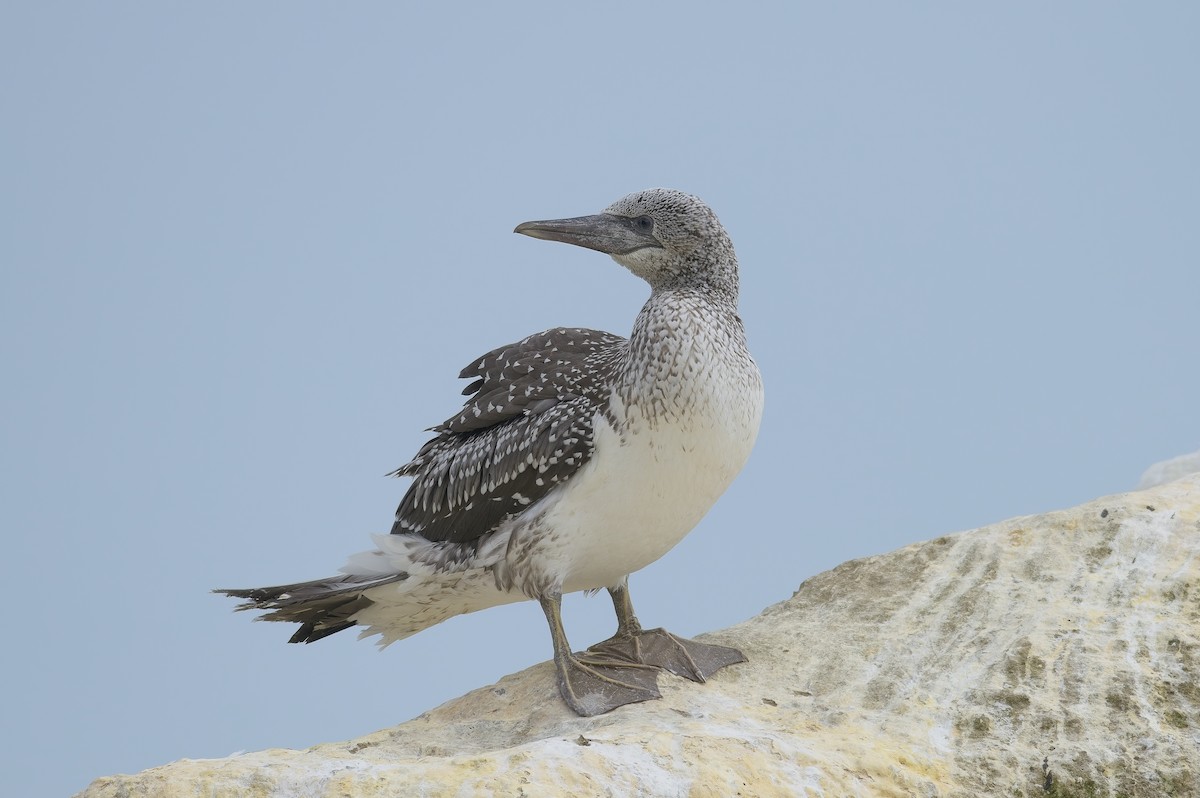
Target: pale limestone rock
x=1053 y=655
x=1169 y=470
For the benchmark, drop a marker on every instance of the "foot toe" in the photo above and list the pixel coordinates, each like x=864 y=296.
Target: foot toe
x=678 y=655
x=593 y=686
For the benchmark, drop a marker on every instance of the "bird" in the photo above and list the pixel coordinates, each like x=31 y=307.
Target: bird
x=578 y=458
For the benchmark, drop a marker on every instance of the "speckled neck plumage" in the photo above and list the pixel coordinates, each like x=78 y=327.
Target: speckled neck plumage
x=679 y=340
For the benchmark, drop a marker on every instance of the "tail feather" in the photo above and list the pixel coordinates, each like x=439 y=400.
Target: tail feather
x=425 y=583
x=322 y=607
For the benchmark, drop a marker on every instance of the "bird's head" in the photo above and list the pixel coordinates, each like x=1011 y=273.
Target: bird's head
x=659 y=234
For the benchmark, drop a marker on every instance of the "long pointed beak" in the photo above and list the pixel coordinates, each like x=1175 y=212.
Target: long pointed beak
x=603 y=232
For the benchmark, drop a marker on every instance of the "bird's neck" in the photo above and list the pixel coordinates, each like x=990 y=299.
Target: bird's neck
x=683 y=339
x=711 y=272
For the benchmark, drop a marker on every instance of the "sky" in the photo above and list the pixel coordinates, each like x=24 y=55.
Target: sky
x=246 y=248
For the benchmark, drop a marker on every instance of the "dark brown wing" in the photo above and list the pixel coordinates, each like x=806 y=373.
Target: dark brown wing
x=526 y=427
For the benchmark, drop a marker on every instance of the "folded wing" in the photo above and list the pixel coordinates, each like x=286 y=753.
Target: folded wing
x=526 y=427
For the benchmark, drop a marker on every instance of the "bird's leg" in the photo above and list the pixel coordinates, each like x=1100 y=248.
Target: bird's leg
x=593 y=686
x=658 y=647
x=627 y=622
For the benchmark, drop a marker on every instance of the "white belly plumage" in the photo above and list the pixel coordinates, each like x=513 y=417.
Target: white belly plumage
x=642 y=492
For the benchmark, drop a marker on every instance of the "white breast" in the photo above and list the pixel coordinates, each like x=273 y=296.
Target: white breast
x=653 y=476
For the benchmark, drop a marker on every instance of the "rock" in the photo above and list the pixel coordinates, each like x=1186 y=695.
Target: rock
x=1053 y=655
x=1169 y=470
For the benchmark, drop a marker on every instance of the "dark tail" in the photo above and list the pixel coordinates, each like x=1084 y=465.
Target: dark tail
x=321 y=607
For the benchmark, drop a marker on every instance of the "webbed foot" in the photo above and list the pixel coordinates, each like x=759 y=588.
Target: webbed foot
x=659 y=648
x=594 y=685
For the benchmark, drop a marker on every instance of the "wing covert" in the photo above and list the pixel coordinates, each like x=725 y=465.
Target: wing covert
x=526 y=428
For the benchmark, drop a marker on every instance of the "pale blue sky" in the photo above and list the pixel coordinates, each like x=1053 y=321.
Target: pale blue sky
x=246 y=248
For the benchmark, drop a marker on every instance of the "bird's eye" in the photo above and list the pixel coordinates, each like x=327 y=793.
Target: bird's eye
x=644 y=223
